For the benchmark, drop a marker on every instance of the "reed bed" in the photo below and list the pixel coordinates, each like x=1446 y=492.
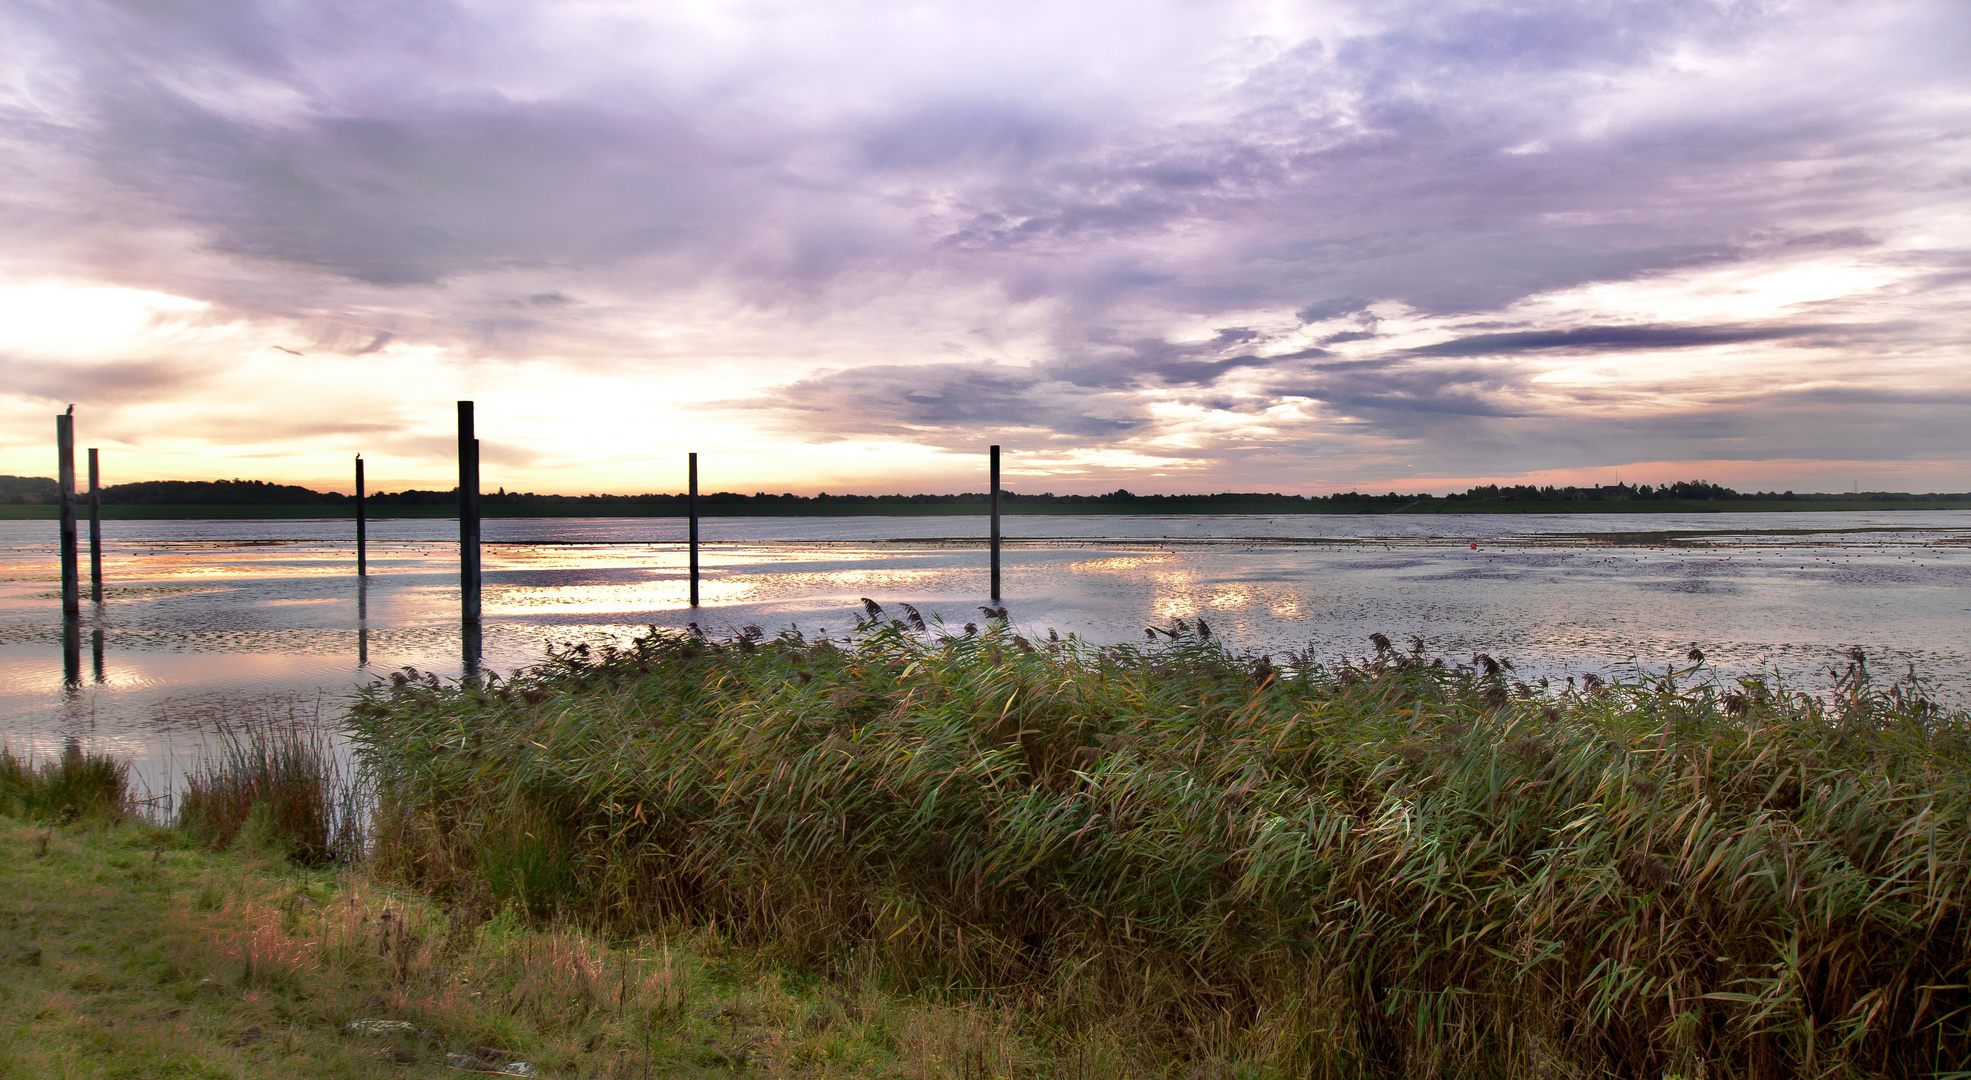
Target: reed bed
x=1232 y=866
x=273 y=786
x=75 y=785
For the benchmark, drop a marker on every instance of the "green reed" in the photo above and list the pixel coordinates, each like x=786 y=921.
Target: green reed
x=271 y=786
x=1396 y=866
x=74 y=785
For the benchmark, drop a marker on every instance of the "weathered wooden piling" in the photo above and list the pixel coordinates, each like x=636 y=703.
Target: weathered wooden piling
x=468 y=519
x=469 y=575
x=362 y=525
x=691 y=503
x=995 y=523
x=65 y=479
x=95 y=534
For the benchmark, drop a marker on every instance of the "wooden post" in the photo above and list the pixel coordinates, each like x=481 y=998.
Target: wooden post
x=471 y=643
x=65 y=473
x=691 y=469
x=362 y=525
x=95 y=536
x=468 y=519
x=995 y=523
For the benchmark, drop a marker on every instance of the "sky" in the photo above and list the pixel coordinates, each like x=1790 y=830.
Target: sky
x=844 y=246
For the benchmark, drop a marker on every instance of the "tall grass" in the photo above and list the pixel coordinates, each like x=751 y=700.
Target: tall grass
x=74 y=785
x=1396 y=866
x=274 y=786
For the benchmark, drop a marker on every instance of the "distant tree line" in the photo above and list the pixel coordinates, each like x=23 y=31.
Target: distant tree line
x=32 y=490
x=28 y=490
x=1682 y=489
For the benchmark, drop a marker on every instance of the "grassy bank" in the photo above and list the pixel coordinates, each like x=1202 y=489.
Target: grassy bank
x=132 y=950
x=1205 y=864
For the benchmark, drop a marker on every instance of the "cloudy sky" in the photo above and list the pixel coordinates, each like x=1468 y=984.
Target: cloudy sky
x=844 y=246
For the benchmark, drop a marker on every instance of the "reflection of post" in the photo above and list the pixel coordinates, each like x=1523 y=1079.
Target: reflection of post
x=65 y=473
x=362 y=622
x=96 y=653
x=691 y=468
x=95 y=530
x=71 y=654
x=362 y=525
x=995 y=524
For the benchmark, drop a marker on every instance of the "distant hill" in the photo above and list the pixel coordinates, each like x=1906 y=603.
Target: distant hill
x=28 y=490
x=217 y=493
x=32 y=490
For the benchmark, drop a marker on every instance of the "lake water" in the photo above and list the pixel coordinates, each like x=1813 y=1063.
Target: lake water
x=206 y=621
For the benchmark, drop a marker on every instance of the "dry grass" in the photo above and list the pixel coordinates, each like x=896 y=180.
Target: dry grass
x=158 y=957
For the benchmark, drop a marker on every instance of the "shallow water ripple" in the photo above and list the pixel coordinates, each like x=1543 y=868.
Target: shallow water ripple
x=244 y=620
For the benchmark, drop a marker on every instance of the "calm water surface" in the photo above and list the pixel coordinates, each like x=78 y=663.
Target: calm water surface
x=211 y=620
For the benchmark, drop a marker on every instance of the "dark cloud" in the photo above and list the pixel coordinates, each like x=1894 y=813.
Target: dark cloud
x=124 y=382
x=1092 y=397
x=1323 y=310
x=1152 y=364
x=420 y=197
x=1382 y=387
x=1610 y=339
x=1347 y=336
x=949 y=404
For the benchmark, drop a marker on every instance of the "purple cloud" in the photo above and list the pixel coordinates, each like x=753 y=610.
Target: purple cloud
x=793 y=184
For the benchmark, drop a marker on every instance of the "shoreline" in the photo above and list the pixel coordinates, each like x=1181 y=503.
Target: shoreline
x=12 y=512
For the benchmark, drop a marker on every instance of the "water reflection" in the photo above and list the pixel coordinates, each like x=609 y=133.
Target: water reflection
x=218 y=625
x=362 y=622
x=71 y=657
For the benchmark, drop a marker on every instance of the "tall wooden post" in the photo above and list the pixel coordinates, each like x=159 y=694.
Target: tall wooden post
x=995 y=523
x=691 y=470
x=362 y=525
x=468 y=518
x=65 y=477
x=95 y=532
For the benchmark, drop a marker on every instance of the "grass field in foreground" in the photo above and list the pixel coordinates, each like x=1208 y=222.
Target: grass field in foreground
x=1225 y=865
x=127 y=951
